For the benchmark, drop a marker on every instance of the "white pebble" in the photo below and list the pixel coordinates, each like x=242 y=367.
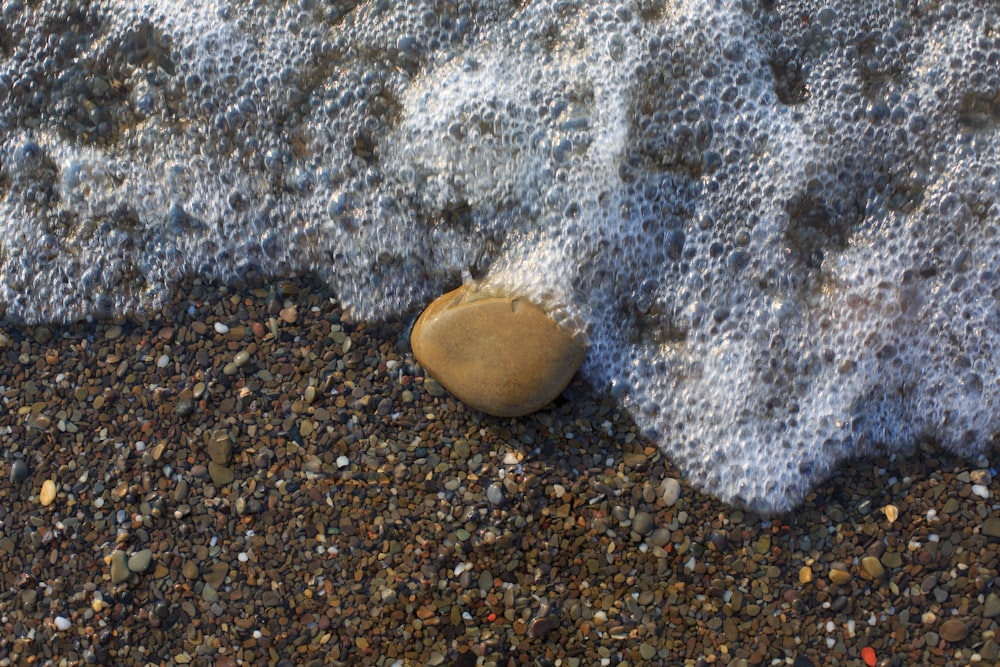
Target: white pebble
x=243 y=557
x=343 y=461
x=670 y=491
x=510 y=459
x=163 y=361
x=221 y=328
x=62 y=623
x=981 y=491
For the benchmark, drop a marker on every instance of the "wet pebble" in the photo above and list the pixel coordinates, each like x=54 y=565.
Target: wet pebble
x=494 y=494
x=139 y=561
x=18 y=471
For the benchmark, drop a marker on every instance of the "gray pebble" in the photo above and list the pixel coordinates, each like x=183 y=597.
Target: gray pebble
x=494 y=494
x=220 y=474
x=181 y=491
x=140 y=560
x=209 y=594
x=18 y=471
x=642 y=523
x=433 y=387
x=184 y=407
x=119 y=567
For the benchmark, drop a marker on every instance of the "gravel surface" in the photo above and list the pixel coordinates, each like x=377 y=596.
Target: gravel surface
x=252 y=477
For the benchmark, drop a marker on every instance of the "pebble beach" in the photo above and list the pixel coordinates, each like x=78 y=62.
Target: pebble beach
x=251 y=476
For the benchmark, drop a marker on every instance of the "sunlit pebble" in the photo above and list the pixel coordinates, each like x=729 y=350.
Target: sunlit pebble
x=221 y=328
x=243 y=557
x=48 y=493
x=983 y=477
x=670 y=491
x=343 y=461
x=163 y=361
x=891 y=513
x=981 y=491
x=931 y=515
x=62 y=623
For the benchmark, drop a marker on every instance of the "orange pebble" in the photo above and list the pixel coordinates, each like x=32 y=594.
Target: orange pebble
x=868 y=655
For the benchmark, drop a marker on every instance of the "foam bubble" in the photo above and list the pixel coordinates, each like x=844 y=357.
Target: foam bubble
x=776 y=223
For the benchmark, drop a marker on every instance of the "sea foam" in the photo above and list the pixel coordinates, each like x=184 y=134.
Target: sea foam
x=776 y=223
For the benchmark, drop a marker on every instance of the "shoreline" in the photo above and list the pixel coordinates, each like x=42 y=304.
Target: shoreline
x=213 y=509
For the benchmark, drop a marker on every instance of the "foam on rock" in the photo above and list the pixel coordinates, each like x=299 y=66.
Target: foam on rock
x=776 y=221
x=498 y=353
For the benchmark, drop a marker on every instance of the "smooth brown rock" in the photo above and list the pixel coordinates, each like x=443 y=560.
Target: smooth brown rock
x=954 y=630
x=502 y=355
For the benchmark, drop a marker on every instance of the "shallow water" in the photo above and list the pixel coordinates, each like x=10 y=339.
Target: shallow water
x=775 y=222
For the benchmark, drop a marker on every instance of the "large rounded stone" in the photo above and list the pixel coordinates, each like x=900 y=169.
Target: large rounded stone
x=500 y=354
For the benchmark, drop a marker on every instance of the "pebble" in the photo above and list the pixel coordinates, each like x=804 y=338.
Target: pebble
x=47 y=494
x=119 y=567
x=642 y=523
x=991 y=527
x=140 y=561
x=494 y=494
x=18 y=471
x=220 y=474
x=873 y=567
x=991 y=608
x=190 y=569
x=839 y=576
x=540 y=626
x=670 y=491
x=501 y=355
x=891 y=513
x=62 y=623
x=221 y=328
x=953 y=630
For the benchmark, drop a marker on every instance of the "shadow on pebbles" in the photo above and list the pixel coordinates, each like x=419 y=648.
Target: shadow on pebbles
x=252 y=477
